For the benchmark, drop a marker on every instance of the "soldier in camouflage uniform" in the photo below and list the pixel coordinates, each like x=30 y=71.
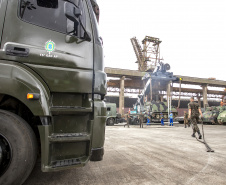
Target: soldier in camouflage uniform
x=128 y=119
x=193 y=114
x=141 y=119
x=186 y=120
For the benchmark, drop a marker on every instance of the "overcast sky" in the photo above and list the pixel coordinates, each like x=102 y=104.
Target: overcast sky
x=193 y=33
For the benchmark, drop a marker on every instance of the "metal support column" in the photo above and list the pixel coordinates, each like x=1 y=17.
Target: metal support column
x=169 y=97
x=205 y=102
x=150 y=90
x=161 y=98
x=168 y=91
x=121 y=95
x=199 y=100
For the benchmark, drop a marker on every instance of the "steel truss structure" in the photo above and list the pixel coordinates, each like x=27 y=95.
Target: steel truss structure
x=126 y=90
x=189 y=94
x=164 y=93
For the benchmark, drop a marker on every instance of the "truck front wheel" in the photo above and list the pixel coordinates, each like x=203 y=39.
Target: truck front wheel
x=110 y=121
x=18 y=149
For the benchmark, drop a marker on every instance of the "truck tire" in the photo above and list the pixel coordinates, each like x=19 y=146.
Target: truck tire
x=136 y=121
x=110 y=121
x=18 y=149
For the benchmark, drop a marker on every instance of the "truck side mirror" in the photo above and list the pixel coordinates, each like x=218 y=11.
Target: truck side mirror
x=87 y=36
x=72 y=12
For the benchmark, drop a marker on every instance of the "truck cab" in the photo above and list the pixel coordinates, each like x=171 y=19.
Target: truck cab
x=52 y=86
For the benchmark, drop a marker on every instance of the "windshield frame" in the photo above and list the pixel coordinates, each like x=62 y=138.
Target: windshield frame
x=97 y=38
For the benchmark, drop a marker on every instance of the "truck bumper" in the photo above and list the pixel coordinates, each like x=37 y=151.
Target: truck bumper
x=97 y=154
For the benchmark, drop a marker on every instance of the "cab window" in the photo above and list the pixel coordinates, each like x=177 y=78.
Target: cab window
x=50 y=14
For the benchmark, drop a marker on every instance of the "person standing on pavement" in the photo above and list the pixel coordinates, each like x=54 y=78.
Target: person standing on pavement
x=141 y=119
x=171 y=119
x=186 y=120
x=148 y=120
x=193 y=115
x=128 y=119
x=162 y=119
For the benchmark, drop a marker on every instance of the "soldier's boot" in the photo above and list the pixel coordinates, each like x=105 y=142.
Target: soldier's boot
x=185 y=126
x=200 y=136
x=193 y=135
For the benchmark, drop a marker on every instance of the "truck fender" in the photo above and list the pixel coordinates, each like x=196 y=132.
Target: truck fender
x=17 y=80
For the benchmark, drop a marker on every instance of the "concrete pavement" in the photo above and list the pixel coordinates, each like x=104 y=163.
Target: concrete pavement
x=152 y=155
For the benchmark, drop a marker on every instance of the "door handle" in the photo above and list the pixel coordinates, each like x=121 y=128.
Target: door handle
x=17 y=51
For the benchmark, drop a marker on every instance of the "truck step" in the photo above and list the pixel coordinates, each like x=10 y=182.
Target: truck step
x=69 y=137
x=66 y=162
x=59 y=110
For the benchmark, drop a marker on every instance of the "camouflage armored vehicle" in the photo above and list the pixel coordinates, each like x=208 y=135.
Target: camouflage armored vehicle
x=112 y=116
x=211 y=114
x=52 y=85
x=155 y=108
x=134 y=116
x=222 y=115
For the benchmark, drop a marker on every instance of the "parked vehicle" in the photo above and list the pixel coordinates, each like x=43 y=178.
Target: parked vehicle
x=52 y=85
x=155 y=108
x=210 y=114
x=179 y=119
x=134 y=116
x=222 y=115
x=112 y=116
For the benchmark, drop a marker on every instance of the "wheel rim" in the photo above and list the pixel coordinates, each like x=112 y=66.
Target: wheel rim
x=111 y=121
x=5 y=154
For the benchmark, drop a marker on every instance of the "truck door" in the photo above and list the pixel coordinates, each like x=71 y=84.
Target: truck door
x=51 y=43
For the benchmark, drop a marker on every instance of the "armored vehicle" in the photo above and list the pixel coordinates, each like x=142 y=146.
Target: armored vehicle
x=51 y=86
x=180 y=119
x=155 y=108
x=134 y=116
x=211 y=114
x=222 y=115
x=112 y=116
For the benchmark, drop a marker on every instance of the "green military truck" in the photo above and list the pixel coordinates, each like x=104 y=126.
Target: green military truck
x=112 y=116
x=52 y=86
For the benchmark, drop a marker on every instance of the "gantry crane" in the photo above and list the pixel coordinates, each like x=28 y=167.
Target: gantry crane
x=149 y=55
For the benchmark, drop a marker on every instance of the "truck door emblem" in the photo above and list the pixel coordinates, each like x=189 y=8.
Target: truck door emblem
x=50 y=46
